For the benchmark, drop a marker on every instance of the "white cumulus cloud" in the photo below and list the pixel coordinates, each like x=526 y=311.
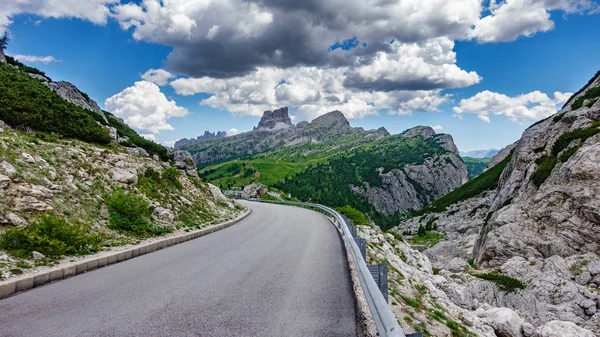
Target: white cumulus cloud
x=510 y=19
x=233 y=131
x=35 y=59
x=437 y=127
x=145 y=108
x=522 y=108
x=159 y=77
x=95 y=11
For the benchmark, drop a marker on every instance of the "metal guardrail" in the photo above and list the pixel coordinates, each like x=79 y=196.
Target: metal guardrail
x=385 y=321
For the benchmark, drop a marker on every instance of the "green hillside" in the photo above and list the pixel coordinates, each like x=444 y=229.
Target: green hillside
x=475 y=166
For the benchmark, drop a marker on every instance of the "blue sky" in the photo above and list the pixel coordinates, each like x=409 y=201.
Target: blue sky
x=104 y=59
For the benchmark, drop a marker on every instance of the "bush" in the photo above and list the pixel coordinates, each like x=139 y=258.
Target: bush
x=51 y=236
x=26 y=102
x=590 y=94
x=171 y=175
x=503 y=282
x=357 y=217
x=131 y=213
x=543 y=170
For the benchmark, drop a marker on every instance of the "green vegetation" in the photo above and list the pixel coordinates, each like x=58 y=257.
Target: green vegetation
x=51 y=236
x=546 y=164
x=475 y=166
x=503 y=282
x=413 y=302
x=428 y=239
x=156 y=185
x=26 y=102
x=484 y=182
x=582 y=88
x=131 y=213
x=577 y=268
x=357 y=217
x=592 y=93
x=329 y=182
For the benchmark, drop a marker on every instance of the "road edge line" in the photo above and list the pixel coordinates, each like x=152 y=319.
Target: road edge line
x=11 y=287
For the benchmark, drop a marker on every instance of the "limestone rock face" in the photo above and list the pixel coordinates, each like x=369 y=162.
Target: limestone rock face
x=70 y=93
x=423 y=131
x=500 y=156
x=542 y=231
x=560 y=217
x=438 y=176
x=276 y=119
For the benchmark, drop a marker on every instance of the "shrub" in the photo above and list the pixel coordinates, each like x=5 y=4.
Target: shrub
x=503 y=282
x=590 y=94
x=543 y=170
x=131 y=213
x=26 y=102
x=171 y=175
x=582 y=88
x=357 y=217
x=568 y=153
x=51 y=236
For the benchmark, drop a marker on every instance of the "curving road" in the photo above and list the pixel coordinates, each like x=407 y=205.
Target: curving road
x=279 y=272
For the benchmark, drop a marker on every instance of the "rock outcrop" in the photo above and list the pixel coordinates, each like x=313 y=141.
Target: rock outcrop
x=275 y=120
x=539 y=226
x=73 y=180
x=496 y=159
x=70 y=93
x=184 y=162
x=207 y=135
x=415 y=186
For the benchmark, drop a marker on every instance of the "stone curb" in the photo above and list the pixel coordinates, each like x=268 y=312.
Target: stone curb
x=11 y=287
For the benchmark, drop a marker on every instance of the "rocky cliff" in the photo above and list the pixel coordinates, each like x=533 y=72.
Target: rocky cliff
x=536 y=226
x=275 y=120
x=413 y=186
x=70 y=93
x=207 y=135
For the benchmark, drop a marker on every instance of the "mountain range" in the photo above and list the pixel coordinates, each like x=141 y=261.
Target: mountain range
x=480 y=153
x=328 y=161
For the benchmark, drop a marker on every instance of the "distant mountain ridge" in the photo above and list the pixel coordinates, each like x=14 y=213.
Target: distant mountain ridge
x=480 y=153
x=330 y=162
x=205 y=136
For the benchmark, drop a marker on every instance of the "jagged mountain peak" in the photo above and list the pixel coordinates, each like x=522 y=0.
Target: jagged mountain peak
x=275 y=120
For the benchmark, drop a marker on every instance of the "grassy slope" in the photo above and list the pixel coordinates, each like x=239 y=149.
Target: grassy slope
x=484 y=182
x=475 y=166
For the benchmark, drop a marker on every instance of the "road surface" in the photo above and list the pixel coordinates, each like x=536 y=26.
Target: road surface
x=279 y=272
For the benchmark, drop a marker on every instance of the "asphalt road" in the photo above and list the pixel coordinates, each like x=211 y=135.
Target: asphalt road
x=279 y=272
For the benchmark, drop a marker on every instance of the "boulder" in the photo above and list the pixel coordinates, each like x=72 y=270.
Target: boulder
x=123 y=176
x=163 y=214
x=255 y=190
x=506 y=322
x=7 y=168
x=28 y=158
x=447 y=255
x=182 y=160
x=37 y=255
x=4 y=180
x=561 y=329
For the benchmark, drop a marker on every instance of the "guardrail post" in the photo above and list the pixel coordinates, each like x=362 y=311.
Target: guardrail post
x=380 y=275
x=362 y=246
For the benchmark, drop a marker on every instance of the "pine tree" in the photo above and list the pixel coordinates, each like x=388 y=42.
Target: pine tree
x=4 y=41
